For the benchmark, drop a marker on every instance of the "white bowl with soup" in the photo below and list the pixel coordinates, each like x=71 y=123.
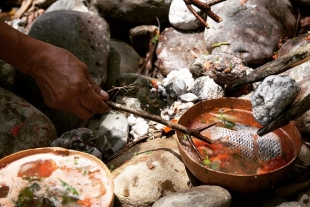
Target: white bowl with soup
x=46 y=177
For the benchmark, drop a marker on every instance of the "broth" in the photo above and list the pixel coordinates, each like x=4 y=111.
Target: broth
x=46 y=180
x=218 y=156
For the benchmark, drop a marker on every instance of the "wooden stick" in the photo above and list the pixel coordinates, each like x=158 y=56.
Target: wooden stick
x=193 y=146
x=204 y=7
x=143 y=114
x=277 y=66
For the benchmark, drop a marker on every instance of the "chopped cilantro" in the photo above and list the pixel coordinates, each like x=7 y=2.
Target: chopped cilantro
x=69 y=188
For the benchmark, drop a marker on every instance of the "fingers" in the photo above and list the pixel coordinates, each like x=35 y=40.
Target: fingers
x=101 y=93
x=94 y=102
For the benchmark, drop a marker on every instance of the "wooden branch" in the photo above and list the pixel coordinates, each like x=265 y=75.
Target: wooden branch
x=277 y=66
x=175 y=126
x=204 y=7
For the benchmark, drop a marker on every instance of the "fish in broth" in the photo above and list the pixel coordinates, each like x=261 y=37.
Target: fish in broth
x=237 y=148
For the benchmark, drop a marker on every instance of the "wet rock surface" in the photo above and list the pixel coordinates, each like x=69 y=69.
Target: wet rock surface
x=176 y=49
x=23 y=125
x=83 y=34
x=253 y=34
x=197 y=196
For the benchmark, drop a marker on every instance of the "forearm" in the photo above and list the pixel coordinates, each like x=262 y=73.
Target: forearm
x=18 y=49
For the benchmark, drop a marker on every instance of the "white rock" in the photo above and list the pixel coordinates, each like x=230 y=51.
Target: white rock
x=139 y=129
x=189 y=97
x=75 y=5
x=182 y=18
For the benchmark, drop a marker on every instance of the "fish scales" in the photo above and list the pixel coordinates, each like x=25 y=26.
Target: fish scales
x=268 y=146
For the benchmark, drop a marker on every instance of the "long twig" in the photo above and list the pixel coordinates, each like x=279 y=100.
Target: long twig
x=193 y=146
x=204 y=7
x=277 y=66
x=143 y=114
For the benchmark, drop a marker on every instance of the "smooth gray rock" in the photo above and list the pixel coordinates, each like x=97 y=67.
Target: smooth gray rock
x=272 y=97
x=205 y=195
x=136 y=12
x=176 y=50
x=122 y=59
x=253 y=34
x=83 y=34
x=22 y=125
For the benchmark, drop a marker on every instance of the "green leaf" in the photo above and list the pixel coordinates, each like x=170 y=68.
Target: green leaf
x=69 y=187
x=185 y=137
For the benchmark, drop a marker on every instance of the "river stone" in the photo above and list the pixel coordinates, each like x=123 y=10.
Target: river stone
x=136 y=12
x=293 y=44
x=81 y=139
x=176 y=50
x=75 y=5
x=223 y=68
x=83 y=34
x=181 y=17
x=122 y=59
x=206 y=89
x=22 y=125
x=272 y=97
x=253 y=34
x=147 y=172
x=113 y=126
x=204 y=195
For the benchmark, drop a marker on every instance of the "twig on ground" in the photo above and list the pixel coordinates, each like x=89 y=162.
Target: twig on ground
x=175 y=126
x=204 y=7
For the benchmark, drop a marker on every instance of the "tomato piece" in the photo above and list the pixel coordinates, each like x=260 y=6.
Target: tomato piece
x=39 y=168
x=199 y=143
x=85 y=203
x=47 y=167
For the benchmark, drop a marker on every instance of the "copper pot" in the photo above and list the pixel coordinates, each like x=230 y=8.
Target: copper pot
x=63 y=153
x=234 y=182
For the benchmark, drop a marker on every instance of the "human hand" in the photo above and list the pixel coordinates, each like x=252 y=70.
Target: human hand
x=65 y=82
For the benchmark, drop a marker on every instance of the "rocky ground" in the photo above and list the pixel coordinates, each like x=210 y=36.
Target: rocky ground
x=156 y=56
